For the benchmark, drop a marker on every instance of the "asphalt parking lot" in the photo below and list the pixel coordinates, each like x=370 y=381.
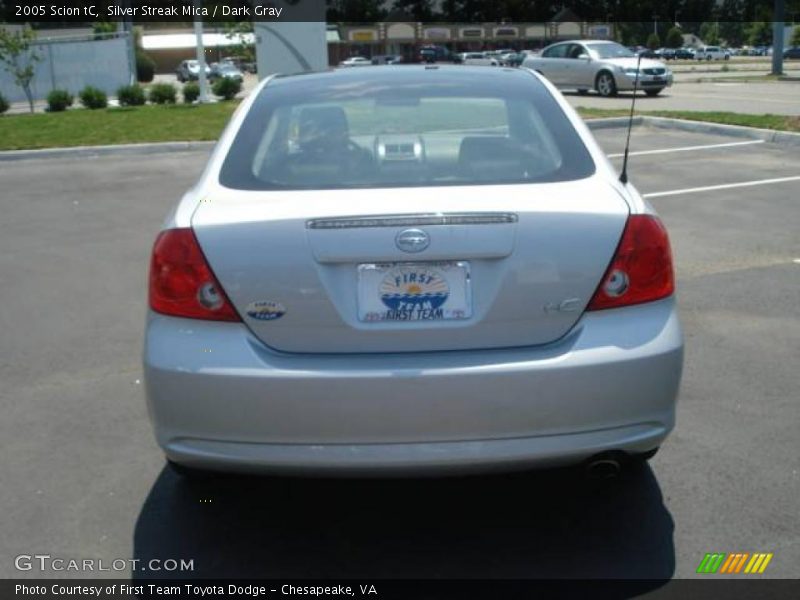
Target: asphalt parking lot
x=82 y=476
x=775 y=97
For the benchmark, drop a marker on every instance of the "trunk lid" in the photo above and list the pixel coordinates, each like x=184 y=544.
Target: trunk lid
x=511 y=265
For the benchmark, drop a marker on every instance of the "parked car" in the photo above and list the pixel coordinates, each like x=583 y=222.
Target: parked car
x=685 y=53
x=512 y=59
x=711 y=53
x=387 y=59
x=432 y=54
x=241 y=63
x=356 y=61
x=666 y=53
x=412 y=294
x=478 y=59
x=792 y=52
x=225 y=70
x=643 y=52
x=189 y=70
x=603 y=66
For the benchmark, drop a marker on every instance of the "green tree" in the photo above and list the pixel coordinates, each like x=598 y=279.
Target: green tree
x=674 y=38
x=420 y=10
x=709 y=33
x=731 y=17
x=19 y=58
x=796 y=36
x=238 y=32
x=760 y=33
x=102 y=29
x=365 y=11
x=653 y=41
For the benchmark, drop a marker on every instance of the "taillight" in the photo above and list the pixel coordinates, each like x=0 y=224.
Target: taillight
x=181 y=282
x=641 y=270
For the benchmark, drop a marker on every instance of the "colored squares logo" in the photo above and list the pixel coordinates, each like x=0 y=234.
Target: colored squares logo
x=735 y=562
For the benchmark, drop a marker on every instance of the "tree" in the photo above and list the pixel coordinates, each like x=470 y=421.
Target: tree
x=709 y=33
x=674 y=38
x=239 y=32
x=796 y=36
x=731 y=17
x=103 y=29
x=420 y=10
x=355 y=11
x=19 y=58
x=760 y=33
x=653 y=41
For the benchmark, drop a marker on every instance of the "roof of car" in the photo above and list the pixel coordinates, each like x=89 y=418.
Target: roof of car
x=588 y=42
x=405 y=74
x=495 y=80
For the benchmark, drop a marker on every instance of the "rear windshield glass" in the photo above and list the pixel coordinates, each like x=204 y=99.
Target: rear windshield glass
x=406 y=127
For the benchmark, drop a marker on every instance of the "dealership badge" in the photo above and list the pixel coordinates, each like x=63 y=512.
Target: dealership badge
x=265 y=310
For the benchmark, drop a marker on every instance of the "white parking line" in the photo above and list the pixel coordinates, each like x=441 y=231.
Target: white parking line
x=687 y=148
x=724 y=186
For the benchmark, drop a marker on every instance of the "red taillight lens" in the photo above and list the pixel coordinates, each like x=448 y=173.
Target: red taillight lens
x=641 y=270
x=181 y=282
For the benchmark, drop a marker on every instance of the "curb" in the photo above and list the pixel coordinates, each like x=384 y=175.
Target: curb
x=94 y=151
x=612 y=122
x=784 y=138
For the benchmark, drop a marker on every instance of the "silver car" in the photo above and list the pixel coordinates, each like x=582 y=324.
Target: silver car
x=603 y=66
x=395 y=271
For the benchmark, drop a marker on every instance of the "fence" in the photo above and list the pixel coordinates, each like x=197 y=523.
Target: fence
x=72 y=64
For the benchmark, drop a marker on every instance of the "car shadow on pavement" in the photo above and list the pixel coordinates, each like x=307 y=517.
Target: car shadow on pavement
x=552 y=524
x=640 y=95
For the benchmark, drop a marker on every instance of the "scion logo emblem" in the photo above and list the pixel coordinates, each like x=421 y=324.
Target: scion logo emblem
x=412 y=240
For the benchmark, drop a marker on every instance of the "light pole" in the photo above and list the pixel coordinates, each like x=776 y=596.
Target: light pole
x=777 y=37
x=201 y=53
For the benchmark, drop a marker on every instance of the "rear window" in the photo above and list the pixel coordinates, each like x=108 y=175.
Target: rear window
x=417 y=128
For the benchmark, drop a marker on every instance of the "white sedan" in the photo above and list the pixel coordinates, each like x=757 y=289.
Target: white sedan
x=355 y=61
x=603 y=66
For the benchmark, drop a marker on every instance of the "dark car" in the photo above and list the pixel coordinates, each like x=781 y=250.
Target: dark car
x=387 y=59
x=684 y=53
x=225 y=70
x=512 y=59
x=793 y=52
x=643 y=52
x=432 y=54
x=666 y=53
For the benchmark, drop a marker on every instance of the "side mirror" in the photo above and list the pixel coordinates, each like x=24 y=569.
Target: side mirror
x=585 y=57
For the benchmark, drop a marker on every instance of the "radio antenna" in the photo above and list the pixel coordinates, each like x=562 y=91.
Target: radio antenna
x=624 y=175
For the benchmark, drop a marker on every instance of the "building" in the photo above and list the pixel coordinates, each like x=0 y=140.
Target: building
x=405 y=38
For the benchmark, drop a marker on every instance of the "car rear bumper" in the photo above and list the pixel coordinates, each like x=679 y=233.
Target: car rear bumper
x=220 y=399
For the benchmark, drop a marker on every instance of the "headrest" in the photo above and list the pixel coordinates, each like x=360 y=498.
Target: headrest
x=323 y=126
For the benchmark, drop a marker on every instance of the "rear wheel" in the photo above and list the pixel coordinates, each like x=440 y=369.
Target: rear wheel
x=652 y=93
x=605 y=84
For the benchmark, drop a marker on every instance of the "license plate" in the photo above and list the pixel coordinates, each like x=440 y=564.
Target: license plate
x=657 y=78
x=430 y=291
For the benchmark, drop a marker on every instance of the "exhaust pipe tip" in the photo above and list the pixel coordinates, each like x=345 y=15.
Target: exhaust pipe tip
x=603 y=467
